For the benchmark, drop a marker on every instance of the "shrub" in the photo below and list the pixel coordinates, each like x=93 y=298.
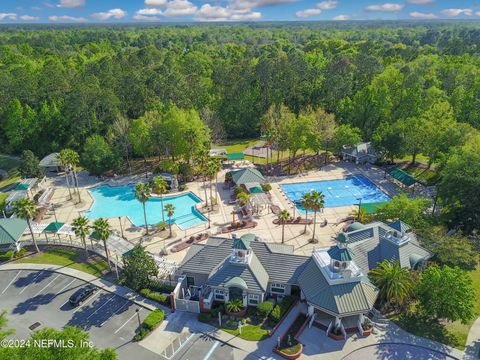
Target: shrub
x=153 y=319
x=160 y=287
x=6 y=255
x=266 y=187
x=214 y=311
x=185 y=170
x=276 y=314
x=204 y=317
x=163 y=299
x=235 y=305
x=141 y=334
x=145 y=292
x=167 y=166
x=239 y=190
x=264 y=308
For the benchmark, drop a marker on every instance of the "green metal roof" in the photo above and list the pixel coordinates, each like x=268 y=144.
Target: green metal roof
x=402 y=176
x=341 y=254
x=22 y=186
x=338 y=299
x=255 y=190
x=235 y=156
x=237 y=282
x=342 y=237
x=243 y=243
x=11 y=230
x=248 y=175
x=54 y=227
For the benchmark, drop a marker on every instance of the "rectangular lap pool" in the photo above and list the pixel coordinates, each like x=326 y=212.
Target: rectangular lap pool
x=343 y=192
x=110 y=201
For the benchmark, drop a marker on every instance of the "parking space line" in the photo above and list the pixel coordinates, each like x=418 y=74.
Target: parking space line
x=11 y=282
x=116 y=312
x=105 y=303
x=86 y=302
x=212 y=349
x=46 y=285
x=64 y=287
x=30 y=283
x=125 y=323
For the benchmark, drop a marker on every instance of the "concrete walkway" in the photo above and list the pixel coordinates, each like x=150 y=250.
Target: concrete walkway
x=472 y=347
x=122 y=291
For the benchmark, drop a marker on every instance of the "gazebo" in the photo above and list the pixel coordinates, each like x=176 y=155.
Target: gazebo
x=11 y=230
x=246 y=176
x=51 y=162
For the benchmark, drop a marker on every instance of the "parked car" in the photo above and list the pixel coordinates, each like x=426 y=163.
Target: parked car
x=82 y=294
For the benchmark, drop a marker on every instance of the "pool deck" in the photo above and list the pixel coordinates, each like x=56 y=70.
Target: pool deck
x=67 y=210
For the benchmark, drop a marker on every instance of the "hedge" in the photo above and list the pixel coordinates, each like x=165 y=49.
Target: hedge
x=204 y=317
x=264 y=309
x=151 y=322
x=160 y=298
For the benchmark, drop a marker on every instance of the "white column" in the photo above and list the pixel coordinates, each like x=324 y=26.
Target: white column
x=245 y=298
x=311 y=310
x=361 y=318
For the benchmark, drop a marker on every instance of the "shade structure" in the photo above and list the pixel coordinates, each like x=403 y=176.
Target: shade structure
x=235 y=156
x=255 y=190
x=402 y=176
x=54 y=227
x=22 y=186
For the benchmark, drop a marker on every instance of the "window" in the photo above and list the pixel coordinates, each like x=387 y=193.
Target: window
x=219 y=294
x=253 y=299
x=277 y=288
x=190 y=281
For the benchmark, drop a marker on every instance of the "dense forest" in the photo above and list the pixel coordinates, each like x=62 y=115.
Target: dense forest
x=411 y=87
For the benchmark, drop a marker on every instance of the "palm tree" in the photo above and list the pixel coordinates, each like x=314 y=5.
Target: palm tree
x=170 y=211
x=317 y=200
x=243 y=198
x=394 y=282
x=306 y=202
x=160 y=187
x=361 y=215
x=82 y=229
x=73 y=160
x=26 y=209
x=142 y=194
x=201 y=161
x=282 y=219
x=103 y=232
x=213 y=168
x=63 y=157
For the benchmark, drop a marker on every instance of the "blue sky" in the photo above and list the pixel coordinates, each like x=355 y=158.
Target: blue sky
x=94 y=11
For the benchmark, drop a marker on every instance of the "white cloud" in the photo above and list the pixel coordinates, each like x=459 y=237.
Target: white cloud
x=36 y=8
x=219 y=13
x=308 y=12
x=29 y=18
x=149 y=12
x=477 y=13
x=146 y=18
x=9 y=16
x=341 y=17
x=71 y=3
x=327 y=5
x=421 y=2
x=421 y=15
x=155 y=3
x=456 y=12
x=110 y=14
x=388 y=7
x=180 y=8
x=66 y=18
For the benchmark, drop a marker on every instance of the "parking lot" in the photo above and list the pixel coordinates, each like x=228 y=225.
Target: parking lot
x=42 y=296
x=204 y=347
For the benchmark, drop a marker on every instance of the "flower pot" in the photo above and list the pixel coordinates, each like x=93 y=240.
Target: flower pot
x=367 y=332
x=339 y=337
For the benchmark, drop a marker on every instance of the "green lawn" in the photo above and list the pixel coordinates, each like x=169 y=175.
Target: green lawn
x=68 y=257
x=249 y=332
x=453 y=334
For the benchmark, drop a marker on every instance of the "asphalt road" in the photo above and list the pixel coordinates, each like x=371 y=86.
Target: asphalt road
x=32 y=296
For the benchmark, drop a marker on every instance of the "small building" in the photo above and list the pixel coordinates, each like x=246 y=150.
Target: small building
x=11 y=231
x=333 y=281
x=247 y=176
x=361 y=153
x=51 y=163
x=217 y=153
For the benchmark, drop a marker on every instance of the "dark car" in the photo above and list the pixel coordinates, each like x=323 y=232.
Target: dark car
x=82 y=294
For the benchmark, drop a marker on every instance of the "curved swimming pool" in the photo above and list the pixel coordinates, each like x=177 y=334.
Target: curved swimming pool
x=115 y=201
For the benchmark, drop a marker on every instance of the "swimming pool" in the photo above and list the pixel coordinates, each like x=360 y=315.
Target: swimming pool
x=343 y=192
x=117 y=201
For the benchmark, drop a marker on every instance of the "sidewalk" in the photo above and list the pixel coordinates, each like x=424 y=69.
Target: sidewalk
x=472 y=346
x=122 y=291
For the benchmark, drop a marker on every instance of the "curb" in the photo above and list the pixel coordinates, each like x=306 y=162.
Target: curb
x=145 y=305
x=406 y=344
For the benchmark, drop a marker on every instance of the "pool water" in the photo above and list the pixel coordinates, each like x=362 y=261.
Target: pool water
x=344 y=192
x=120 y=201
